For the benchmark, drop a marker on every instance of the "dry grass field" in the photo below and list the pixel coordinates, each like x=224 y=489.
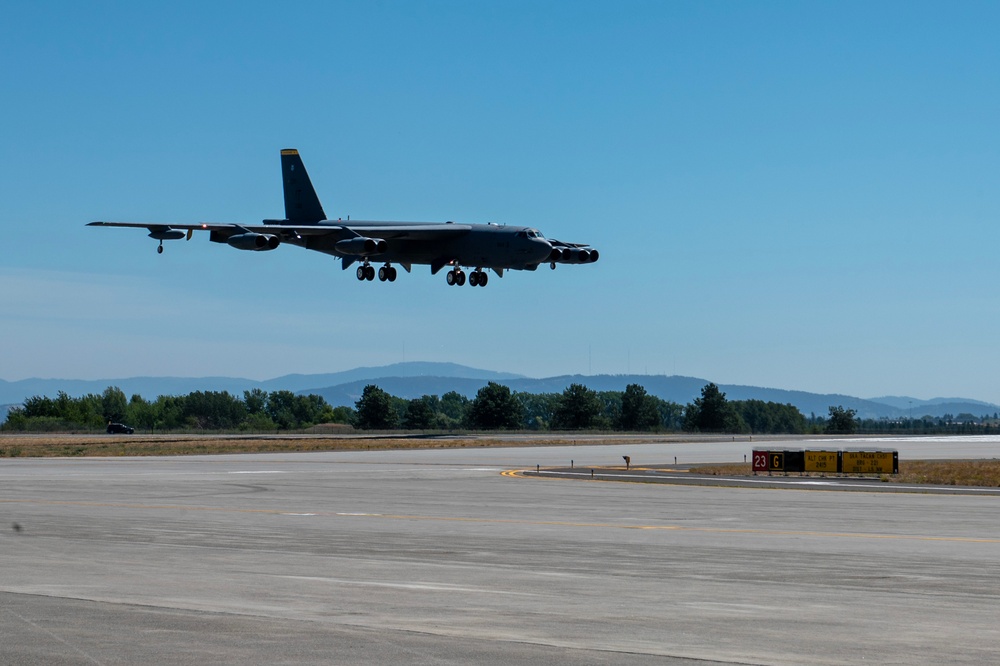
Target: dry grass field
x=982 y=473
x=61 y=445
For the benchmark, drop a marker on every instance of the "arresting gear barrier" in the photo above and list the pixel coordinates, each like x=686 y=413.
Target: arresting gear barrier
x=829 y=462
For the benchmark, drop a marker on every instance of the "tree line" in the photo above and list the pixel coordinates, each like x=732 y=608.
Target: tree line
x=495 y=407
x=257 y=411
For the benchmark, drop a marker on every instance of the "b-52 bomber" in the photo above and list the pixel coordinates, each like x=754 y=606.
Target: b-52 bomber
x=480 y=247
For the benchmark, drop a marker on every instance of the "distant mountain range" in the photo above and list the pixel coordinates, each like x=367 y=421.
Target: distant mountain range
x=414 y=379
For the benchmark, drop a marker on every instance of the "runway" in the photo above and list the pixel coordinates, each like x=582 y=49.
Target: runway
x=431 y=557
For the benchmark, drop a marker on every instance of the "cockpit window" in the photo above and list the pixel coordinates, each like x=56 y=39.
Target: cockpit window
x=534 y=233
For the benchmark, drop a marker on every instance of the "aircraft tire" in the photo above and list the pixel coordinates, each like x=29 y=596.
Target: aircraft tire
x=383 y=274
x=474 y=278
x=159 y=249
x=361 y=272
x=369 y=273
x=450 y=278
x=483 y=278
x=392 y=273
x=459 y=278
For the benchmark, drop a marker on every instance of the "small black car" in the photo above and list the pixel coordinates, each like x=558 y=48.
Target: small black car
x=120 y=428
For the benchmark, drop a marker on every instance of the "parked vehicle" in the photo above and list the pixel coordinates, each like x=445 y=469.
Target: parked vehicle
x=120 y=428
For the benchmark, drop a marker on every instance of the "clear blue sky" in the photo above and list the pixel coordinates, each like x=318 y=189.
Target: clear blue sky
x=798 y=195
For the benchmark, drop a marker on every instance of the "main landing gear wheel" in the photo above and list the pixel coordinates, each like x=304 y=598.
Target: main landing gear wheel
x=478 y=278
x=159 y=248
x=455 y=277
x=366 y=272
x=387 y=273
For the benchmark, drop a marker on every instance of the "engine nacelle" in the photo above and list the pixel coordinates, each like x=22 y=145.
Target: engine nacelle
x=573 y=255
x=361 y=246
x=252 y=241
x=166 y=233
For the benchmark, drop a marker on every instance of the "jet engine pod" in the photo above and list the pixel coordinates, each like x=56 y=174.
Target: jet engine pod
x=575 y=255
x=165 y=233
x=361 y=246
x=557 y=255
x=252 y=241
x=594 y=255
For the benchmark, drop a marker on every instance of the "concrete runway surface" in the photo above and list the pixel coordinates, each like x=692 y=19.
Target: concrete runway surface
x=434 y=557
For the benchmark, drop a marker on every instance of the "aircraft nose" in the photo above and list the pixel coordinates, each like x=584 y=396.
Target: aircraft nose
x=541 y=249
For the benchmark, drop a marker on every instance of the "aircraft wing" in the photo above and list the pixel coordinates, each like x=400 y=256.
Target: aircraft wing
x=416 y=231
x=402 y=230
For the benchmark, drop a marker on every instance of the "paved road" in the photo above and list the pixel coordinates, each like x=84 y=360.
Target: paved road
x=431 y=557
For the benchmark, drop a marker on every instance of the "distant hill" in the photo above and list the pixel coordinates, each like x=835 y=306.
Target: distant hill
x=151 y=387
x=414 y=379
x=410 y=369
x=677 y=389
x=907 y=403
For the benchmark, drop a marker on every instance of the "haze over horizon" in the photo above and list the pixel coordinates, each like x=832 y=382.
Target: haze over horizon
x=797 y=196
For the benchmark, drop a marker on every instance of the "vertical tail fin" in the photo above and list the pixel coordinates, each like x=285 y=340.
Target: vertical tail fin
x=301 y=203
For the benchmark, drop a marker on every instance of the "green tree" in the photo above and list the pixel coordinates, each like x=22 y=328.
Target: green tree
x=342 y=414
x=671 y=414
x=139 y=413
x=38 y=405
x=842 y=421
x=538 y=409
x=256 y=400
x=420 y=413
x=611 y=410
x=374 y=410
x=495 y=408
x=578 y=408
x=214 y=410
x=114 y=403
x=712 y=413
x=454 y=405
x=770 y=417
x=639 y=409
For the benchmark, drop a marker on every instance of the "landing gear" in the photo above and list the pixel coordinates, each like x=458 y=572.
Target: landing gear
x=159 y=249
x=386 y=273
x=478 y=278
